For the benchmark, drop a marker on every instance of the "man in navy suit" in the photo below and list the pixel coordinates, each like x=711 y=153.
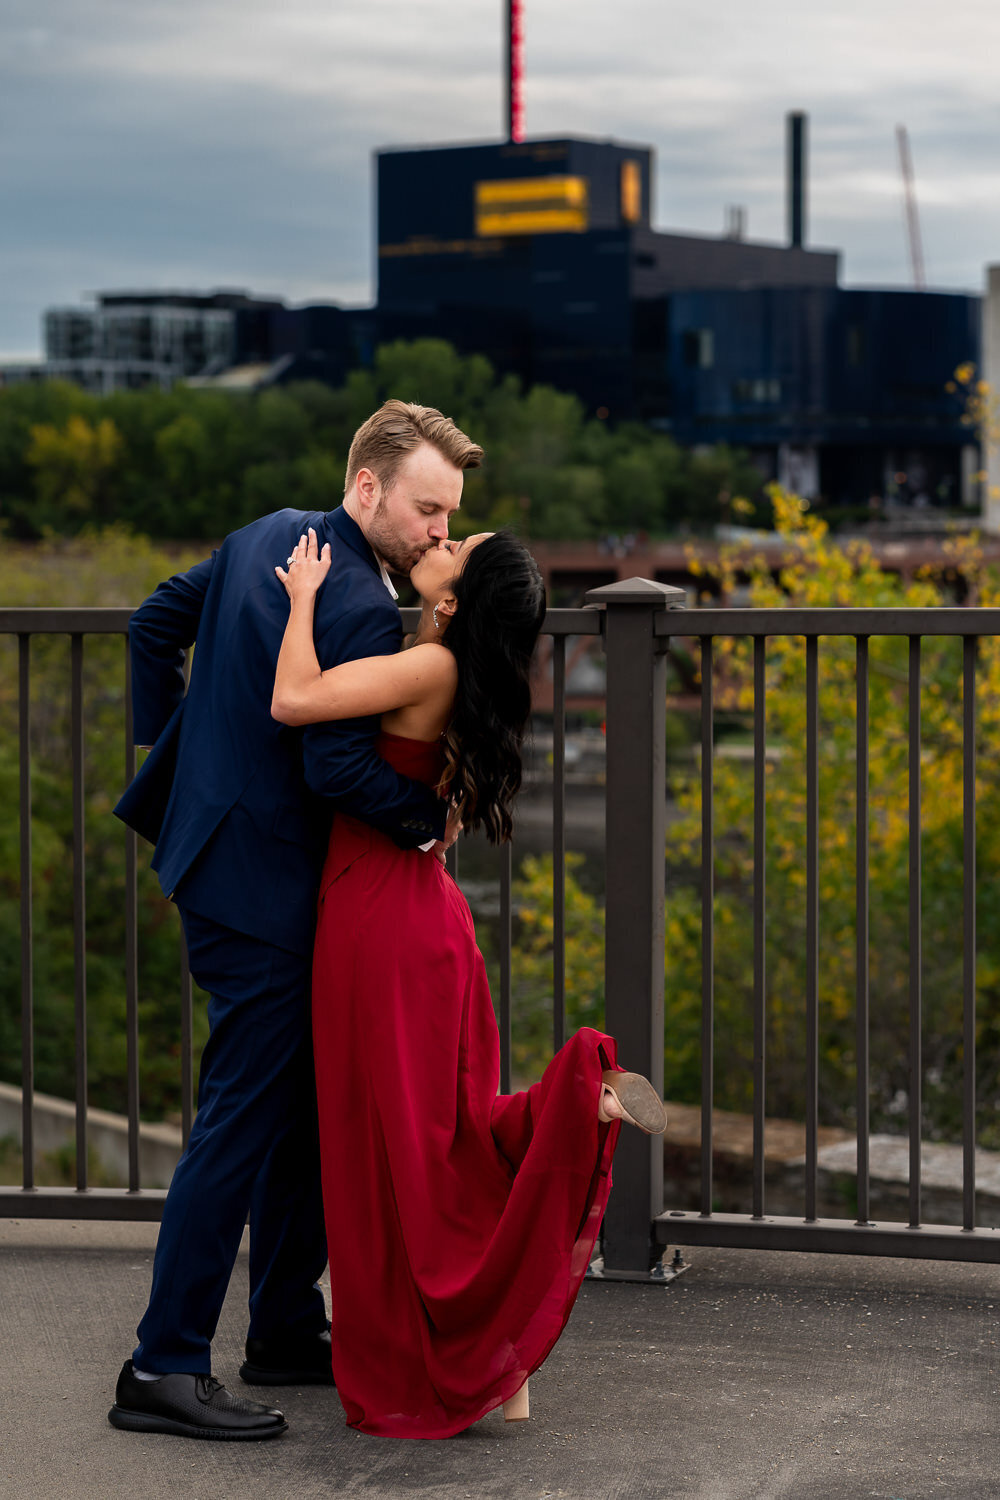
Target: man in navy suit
x=239 y=808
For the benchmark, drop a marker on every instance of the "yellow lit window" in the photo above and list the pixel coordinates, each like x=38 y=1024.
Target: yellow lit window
x=631 y=186
x=533 y=205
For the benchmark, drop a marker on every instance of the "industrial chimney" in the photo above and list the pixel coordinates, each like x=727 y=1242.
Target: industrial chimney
x=514 y=39
x=795 y=159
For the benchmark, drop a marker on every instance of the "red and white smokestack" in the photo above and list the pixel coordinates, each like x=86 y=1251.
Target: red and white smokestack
x=515 y=70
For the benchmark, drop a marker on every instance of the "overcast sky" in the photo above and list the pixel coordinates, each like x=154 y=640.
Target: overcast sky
x=206 y=143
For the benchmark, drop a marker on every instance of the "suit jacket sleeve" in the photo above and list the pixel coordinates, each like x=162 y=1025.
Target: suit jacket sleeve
x=340 y=758
x=158 y=634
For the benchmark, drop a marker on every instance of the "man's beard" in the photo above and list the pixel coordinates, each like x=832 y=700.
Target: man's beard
x=389 y=545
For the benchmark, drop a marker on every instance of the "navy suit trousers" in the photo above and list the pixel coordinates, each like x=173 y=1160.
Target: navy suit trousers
x=253 y=1151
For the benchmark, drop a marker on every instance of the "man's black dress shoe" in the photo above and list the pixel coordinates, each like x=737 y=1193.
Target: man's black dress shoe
x=195 y=1406
x=288 y=1361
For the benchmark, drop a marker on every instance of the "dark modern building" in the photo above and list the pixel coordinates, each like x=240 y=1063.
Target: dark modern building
x=318 y=342
x=838 y=393
x=543 y=256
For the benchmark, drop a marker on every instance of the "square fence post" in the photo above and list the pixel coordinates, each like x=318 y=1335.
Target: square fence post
x=635 y=843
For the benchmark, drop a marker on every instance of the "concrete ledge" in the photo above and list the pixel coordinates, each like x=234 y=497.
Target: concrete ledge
x=54 y=1128
x=784 y=1171
x=732 y=1141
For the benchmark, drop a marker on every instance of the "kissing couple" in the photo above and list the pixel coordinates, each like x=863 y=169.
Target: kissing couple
x=300 y=794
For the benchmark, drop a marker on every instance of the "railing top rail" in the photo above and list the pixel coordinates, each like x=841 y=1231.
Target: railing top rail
x=94 y=620
x=586 y=621
x=848 y=621
x=923 y=621
x=74 y=620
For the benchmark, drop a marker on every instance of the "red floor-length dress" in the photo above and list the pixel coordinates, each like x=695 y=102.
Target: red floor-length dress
x=460 y=1221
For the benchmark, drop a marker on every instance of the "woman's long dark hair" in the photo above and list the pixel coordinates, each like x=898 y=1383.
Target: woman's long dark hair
x=500 y=608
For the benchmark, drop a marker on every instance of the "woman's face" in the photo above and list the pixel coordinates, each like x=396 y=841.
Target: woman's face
x=433 y=575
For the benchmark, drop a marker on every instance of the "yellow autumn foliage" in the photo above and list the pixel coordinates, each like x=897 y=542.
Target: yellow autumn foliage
x=822 y=574
x=819 y=573
x=73 y=463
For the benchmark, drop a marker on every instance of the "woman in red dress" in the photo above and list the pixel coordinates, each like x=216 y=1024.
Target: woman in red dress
x=460 y=1221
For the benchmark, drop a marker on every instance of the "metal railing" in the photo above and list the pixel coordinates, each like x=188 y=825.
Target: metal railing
x=84 y=1201
x=965 y=1241
x=136 y=1201
x=637 y=621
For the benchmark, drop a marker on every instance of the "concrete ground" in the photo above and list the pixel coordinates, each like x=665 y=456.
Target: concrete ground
x=753 y=1375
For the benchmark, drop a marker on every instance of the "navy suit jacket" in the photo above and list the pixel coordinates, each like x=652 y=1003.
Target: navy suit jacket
x=239 y=806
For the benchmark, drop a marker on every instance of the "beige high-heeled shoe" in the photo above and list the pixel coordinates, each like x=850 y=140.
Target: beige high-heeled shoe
x=634 y=1099
x=516 y=1409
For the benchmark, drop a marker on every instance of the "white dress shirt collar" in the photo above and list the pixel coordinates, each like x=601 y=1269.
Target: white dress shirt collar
x=385 y=576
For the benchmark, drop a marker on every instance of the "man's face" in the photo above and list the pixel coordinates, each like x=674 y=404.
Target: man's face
x=413 y=516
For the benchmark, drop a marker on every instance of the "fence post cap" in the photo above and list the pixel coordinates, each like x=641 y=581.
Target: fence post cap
x=638 y=591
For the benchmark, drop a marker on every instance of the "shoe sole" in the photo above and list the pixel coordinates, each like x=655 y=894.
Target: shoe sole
x=138 y=1421
x=642 y=1104
x=257 y=1375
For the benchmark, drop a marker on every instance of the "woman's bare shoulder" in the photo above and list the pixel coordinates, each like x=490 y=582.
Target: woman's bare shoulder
x=433 y=661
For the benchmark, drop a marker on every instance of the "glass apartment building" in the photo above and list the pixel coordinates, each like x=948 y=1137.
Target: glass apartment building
x=129 y=341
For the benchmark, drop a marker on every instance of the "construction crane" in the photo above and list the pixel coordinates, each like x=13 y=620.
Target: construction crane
x=910 y=200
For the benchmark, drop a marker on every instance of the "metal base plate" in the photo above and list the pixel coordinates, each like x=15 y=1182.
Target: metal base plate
x=660 y=1274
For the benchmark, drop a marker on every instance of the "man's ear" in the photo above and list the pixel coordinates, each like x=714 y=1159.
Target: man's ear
x=368 y=488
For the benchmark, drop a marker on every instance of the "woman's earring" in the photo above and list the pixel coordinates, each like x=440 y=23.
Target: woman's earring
x=434 y=616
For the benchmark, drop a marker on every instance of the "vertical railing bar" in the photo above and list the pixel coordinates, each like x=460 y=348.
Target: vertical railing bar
x=187 y=1043
x=915 y=1082
x=861 y=947
x=812 y=923
x=79 y=906
x=27 y=914
x=969 y=648
x=506 y=933
x=558 y=841
x=759 y=909
x=131 y=951
x=707 y=921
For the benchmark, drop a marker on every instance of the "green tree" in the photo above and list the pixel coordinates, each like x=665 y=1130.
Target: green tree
x=192 y=464
x=823 y=575
x=74 y=467
x=113 y=568
x=532 y=981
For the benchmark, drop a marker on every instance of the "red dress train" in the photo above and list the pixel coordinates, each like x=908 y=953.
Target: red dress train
x=460 y=1222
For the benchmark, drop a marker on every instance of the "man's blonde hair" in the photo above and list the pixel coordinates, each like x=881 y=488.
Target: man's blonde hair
x=396 y=429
